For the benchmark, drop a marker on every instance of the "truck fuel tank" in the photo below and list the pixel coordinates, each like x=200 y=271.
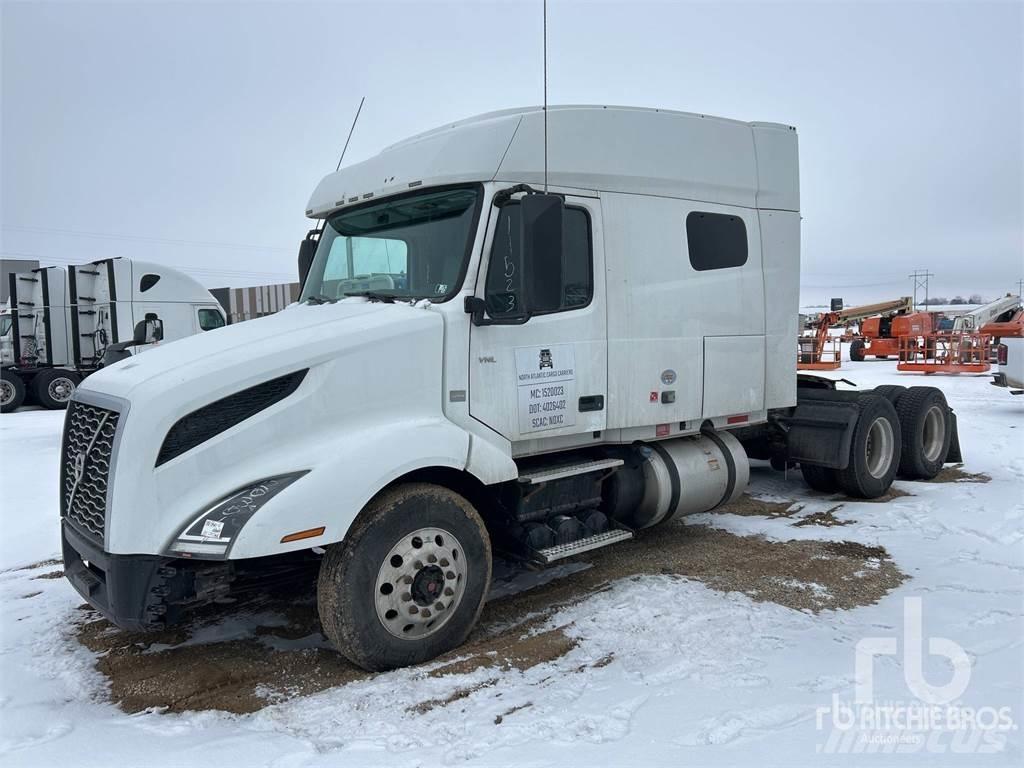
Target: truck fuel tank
x=684 y=475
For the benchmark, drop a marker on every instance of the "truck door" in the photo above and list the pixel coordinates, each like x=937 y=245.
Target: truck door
x=546 y=377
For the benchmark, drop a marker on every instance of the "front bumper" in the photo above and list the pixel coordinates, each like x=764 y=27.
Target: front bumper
x=147 y=592
x=135 y=592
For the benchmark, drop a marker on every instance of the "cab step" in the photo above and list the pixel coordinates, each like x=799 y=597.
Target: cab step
x=548 y=474
x=562 y=551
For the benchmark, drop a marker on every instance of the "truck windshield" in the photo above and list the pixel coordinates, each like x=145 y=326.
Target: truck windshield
x=410 y=247
x=5 y=324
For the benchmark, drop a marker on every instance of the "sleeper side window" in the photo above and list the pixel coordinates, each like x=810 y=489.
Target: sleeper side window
x=716 y=240
x=504 y=283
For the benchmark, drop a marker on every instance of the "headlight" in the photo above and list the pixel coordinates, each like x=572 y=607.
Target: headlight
x=210 y=534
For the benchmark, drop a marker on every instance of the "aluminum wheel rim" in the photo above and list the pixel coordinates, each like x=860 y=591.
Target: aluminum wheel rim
x=6 y=392
x=934 y=433
x=879 y=447
x=420 y=583
x=61 y=389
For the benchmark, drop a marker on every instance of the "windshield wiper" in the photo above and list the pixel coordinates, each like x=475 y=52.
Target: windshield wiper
x=318 y=299
x=387 y=298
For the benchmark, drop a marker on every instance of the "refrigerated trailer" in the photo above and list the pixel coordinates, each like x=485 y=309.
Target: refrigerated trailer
x=62 y=325
x=487 y=356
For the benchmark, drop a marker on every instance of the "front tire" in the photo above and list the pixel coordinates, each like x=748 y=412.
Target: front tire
x=857 y=351
x=53 y=388
x=874 y=450
x=12 y=392
x=409 y=580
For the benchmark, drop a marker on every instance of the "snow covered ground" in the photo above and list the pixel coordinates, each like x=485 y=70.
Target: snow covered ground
x=666 y=670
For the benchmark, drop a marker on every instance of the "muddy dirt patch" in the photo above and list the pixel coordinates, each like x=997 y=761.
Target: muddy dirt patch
x=242 y=658
x=958 y=475
x=750 y=506
x=826 y=518
x=50 y=575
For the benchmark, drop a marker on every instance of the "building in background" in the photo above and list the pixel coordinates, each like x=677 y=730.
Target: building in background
x=256 y=301
x=7 y=266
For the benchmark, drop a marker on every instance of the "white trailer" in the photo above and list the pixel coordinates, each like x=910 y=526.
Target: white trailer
x=475 y=364
x=63 y=325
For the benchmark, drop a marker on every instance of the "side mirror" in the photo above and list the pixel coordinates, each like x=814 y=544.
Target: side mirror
x=147 y=331
x=541 y=240
x=307 y=250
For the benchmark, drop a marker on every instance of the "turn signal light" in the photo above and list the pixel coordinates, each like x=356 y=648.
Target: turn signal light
x=307 y=534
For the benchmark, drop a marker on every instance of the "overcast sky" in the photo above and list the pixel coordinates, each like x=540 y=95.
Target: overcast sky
x=193 y=134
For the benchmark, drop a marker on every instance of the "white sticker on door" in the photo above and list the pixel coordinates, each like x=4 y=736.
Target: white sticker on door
x=546 y=380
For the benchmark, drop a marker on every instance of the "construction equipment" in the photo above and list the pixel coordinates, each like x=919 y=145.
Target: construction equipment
x=948 y=352
x=967 y=347
x=883 y=323
x=999 y=319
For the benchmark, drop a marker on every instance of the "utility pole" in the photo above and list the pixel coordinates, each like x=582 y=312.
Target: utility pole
x=1020 y=288
x=920 y=278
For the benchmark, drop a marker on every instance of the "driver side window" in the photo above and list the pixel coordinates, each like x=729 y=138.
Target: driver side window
x=504 y=282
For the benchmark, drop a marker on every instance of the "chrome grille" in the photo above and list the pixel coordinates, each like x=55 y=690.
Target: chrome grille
x=85 y=466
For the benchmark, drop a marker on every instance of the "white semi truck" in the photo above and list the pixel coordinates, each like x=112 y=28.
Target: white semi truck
x=477 y=365
x=61 y=326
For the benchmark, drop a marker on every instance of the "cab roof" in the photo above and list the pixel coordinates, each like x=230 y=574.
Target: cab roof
x=590 y=147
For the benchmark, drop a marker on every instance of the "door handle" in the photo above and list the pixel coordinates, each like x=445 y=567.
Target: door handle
x=591 y=403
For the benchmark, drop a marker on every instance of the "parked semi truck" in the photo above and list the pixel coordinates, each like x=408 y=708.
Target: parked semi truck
x=60 y=326
x=486 y=357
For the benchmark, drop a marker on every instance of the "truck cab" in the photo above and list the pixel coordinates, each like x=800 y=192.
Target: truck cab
x=65 y=324
x=487 y=355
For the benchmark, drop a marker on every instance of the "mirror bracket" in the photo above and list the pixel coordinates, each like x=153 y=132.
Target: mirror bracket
x=476 y=308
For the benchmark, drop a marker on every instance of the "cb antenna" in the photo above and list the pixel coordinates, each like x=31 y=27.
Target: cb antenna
x=354 y=121
x=545 y=97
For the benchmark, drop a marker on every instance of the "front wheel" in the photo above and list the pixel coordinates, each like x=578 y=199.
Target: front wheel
x=857 y=350
x=409 y=580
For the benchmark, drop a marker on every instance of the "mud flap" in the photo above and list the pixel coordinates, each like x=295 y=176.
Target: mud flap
x=820 y=432
x=953 y=455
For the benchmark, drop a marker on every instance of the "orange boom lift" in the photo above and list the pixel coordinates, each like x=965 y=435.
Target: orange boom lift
x=881 y=325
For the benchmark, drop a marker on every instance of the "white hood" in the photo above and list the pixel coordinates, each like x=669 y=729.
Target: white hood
x=298 y=337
